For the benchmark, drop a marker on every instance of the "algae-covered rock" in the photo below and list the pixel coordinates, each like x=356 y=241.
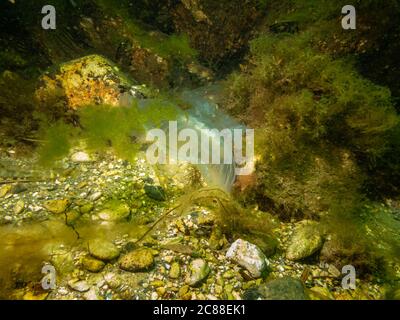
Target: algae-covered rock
x=91 y=264
x=286 y=288
x=114 y=210
x=86 y=208
x=137 y=260
x=175 y=270
x=248 y=256
x=89 y=80
x=267 y=243
x=199 y=271
x=4 y=190
x=72 y=216
x=217 y=29
x=306 y=240
x=155 y=192
x=217 y=239
x=320 y=293
x=19 y=207
x=62 y=260
x=103 y=250
x=33 y=296
x=57 y=206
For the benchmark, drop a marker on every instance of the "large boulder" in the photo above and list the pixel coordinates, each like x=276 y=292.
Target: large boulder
x=85 y=81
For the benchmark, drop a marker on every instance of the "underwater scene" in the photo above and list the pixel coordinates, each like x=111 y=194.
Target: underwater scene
x=199 y=150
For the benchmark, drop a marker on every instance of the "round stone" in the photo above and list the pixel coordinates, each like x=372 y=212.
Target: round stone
x=103 y=250
x=137 y=260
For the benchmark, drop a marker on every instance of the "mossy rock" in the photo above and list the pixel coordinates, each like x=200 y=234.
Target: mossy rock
x=85 y=81
x=114 y=210
x=103 y=250
x=320 y=293
x=306 y=240
x=267 y=243
x=86 y=208
x=175 y=270
x=199 y=271
x=72 y=216
x=91 y=264
x=57 y=206
x=217 y=239
x=155 y=192
x=286 y=288
x=137 y=260
x=4 y=190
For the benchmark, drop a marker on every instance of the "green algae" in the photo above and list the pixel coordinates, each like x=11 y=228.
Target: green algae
x=104 y=128
x=167 y=46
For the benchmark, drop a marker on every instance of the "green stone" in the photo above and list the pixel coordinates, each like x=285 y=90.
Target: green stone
x=86 y=208
x=57 y=206
x=103 y=250
x=305 y=241
x=199 y=271
x=19 y=207
x=155 y=192
x=175 y=271
x=4 y=190
x=114 y=210
x=137 y=260
x=72 y=216
x=93 y=265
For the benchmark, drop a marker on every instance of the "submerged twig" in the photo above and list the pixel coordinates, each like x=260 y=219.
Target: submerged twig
x=33 y=140
x=156 y=223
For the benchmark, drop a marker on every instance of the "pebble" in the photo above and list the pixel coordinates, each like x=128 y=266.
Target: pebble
x=19 y=207
x=95 y=196
x=175 y=271
x=4 y=190
x=79 y=285
x=80 y=157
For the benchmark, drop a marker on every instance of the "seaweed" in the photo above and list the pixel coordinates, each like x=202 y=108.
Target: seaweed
x=102 y=128
x=320 y=125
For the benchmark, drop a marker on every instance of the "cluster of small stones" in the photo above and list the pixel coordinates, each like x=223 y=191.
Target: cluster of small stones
x=83 y=184
x=324 y=279
x=174 y=252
